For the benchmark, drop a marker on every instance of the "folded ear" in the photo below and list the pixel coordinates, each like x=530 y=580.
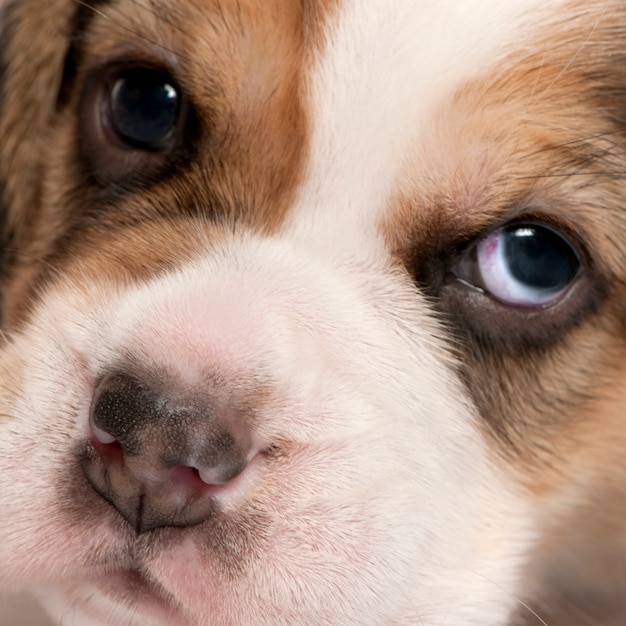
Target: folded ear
x=34 y=47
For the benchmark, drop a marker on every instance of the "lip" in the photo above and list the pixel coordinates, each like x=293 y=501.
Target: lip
x=124 y=595
x=131 y=588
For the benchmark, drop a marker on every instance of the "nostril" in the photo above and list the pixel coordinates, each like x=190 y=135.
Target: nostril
x=213 y=476
x=101 y=435
x=107 y=447
x=185 y=476
x=191 y=478
x=121 y=408
x=220 y=475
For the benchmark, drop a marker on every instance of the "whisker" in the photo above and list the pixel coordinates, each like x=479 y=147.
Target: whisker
x=578 y=52
x=579 y=141
x=606 y=174
x=517 y=599
x=91 y=7
x=124 y=28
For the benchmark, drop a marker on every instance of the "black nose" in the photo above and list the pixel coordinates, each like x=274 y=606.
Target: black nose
x=160 y=454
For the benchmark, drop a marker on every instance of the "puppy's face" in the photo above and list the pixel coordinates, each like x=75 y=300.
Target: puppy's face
x=314 y=311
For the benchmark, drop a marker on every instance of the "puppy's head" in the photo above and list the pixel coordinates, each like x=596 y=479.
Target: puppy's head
x=314 y=312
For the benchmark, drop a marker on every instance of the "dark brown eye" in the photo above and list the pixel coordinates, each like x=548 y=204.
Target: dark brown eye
x=143 y=108
x=134 y=123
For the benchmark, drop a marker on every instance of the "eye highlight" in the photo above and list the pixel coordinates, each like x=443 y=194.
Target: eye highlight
x=524 y=264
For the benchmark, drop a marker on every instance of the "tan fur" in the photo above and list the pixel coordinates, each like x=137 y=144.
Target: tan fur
x=252 y=86
x=565 y=159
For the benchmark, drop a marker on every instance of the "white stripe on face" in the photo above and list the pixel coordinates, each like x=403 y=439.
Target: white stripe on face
x=386 y=68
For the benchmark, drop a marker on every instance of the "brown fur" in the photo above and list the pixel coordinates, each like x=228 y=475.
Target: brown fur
x=251 y=128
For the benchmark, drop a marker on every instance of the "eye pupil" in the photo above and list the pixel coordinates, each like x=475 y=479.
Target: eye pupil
x=143 y=108
x=538 y=257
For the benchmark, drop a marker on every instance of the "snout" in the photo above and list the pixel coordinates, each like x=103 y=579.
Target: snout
x=160 y=452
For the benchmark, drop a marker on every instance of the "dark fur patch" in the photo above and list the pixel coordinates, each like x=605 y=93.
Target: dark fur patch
x=5 y=235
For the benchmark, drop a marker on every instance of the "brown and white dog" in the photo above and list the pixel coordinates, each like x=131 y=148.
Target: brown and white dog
x=314 y=310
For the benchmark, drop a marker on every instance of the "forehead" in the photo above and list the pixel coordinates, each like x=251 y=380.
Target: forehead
x=365 y=80
x=382 y=78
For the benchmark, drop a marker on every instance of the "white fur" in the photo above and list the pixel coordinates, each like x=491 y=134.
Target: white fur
x=393 y=482
x=387 y=69
x=394 y=510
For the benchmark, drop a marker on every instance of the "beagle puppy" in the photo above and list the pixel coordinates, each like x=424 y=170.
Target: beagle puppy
x=314 y=311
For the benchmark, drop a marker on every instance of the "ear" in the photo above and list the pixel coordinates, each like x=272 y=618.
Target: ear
x=34 y=42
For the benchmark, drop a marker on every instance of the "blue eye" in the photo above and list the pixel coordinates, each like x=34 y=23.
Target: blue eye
x=523 y=265
x=143 y=108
